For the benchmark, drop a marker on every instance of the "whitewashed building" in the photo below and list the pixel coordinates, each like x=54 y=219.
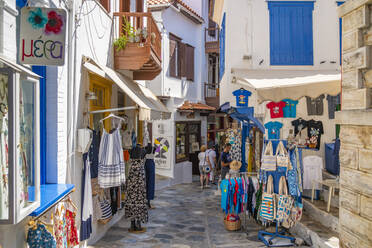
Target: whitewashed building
x=181 y=83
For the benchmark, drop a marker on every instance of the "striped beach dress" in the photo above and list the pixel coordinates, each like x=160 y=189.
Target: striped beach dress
x=111 y=166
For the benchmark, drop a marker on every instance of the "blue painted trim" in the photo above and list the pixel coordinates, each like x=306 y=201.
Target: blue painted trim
x=340 y=31
x=50 y=195
x=291 y=41
x=41 y=71
x=222 y=46
x=21 y=3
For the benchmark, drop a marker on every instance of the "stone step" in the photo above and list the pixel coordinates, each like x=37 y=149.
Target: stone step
x=317 y=210
x=314 y=233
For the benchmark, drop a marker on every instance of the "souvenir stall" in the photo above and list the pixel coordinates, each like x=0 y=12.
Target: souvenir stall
x=301 y=109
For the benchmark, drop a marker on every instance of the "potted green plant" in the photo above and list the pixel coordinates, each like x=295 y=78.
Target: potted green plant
x=128 y=35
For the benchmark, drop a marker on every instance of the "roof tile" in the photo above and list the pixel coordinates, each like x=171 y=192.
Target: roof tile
x=195 y=106
x=156 y=2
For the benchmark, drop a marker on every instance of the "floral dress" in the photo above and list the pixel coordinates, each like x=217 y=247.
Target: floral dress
x=59 y=222
x=72 y=236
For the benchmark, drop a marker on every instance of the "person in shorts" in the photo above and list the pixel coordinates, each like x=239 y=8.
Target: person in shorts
x=225 y=160
x=203 y=161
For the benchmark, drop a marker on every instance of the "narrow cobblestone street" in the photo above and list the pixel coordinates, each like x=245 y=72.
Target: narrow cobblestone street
x=183 y=217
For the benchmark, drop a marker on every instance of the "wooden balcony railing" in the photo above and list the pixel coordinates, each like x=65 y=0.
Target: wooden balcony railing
x=140 y=20
x=212 y=40
x=212 y=94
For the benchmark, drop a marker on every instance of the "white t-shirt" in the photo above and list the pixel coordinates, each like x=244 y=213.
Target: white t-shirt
x=212 y=156
x=202 y=158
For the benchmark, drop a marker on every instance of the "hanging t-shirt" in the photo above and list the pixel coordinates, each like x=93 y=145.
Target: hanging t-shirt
x=299 y=125
x=276 y=109
x=273 y=129
x=289 y=111
x=333 y=101
x=242 y=97
x=314 y=131
x=315 y=105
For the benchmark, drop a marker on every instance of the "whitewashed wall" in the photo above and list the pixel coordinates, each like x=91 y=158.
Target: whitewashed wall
x=248 y=33
x=170 y=21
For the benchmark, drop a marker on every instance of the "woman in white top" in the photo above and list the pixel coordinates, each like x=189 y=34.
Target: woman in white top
x=203 y=161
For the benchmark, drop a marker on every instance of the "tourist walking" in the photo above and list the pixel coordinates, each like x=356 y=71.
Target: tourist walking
x=203 y=162
x=211 y=155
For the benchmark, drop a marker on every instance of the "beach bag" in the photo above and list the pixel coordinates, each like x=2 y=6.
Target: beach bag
x=282 y=158
x=285 y=202
x=268 y=158
x=106 y=211
x=267 y=210
x=295 y=215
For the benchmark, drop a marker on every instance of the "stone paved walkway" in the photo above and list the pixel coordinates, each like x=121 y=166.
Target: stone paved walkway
x=184 y=216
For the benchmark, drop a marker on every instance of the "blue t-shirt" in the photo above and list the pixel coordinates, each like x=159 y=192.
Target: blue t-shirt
x=289 y=110
x=273 y=128
x=242 y=97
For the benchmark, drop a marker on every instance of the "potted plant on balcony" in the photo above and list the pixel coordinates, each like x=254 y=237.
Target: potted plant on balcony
x=128 y=35
x=131 y=35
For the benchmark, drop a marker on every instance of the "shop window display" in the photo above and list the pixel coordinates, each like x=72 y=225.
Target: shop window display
x=4 y=182
x=19 y=142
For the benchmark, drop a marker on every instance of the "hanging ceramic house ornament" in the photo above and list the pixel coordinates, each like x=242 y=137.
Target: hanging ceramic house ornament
x=42 y=36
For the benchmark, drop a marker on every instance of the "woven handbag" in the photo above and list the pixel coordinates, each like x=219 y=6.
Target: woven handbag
x=282 y=158
x=268 y=158
x=267 y=209
x=285 y=202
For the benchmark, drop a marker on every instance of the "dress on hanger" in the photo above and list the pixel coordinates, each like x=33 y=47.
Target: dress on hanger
x=150 y=174
x=111 y=167
x=87 y=202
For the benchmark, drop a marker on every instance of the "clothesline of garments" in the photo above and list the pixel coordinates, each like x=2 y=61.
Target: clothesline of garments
x=238 y=194
x=114 y=177
x=57 y=231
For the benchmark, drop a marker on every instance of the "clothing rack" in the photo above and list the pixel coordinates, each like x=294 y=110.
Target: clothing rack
x=111 y=110
x=237 y=175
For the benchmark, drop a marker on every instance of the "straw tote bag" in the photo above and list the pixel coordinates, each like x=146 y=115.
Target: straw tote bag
x=268 y=158
x=285 y=202
x=282 y=158
x=267 y=211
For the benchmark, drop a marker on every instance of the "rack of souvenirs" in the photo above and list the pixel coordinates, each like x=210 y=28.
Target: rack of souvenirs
x=275 y=196
x=281 y=176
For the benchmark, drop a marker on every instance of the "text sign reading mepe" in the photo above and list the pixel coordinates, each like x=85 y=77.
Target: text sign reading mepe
x=42 y=38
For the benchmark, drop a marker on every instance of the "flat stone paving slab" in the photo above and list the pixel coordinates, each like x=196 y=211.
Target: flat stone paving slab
x=184 y=217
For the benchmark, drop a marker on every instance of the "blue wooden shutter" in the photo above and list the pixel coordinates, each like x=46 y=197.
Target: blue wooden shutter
x=340 y=31
x=291 y=33
x=222 y=46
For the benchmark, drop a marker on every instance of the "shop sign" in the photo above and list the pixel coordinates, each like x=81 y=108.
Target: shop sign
x=163 y=152
x=42 y=36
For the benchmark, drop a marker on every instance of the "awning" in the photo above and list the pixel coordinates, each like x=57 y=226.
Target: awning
x=217 y=11
x=18 y=68
x=150 y=107
x=242 y=114
x=276 y=85
x=189 y=106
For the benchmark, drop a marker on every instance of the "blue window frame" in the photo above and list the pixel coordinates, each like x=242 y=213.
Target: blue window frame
x=41 y=71
x=222 y=46
x=291 y=33
x=340 y=28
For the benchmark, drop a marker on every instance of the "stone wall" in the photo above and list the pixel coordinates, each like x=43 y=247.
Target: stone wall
x=356 y=125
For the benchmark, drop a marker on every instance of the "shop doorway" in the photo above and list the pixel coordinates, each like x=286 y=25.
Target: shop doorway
x=102 y=89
